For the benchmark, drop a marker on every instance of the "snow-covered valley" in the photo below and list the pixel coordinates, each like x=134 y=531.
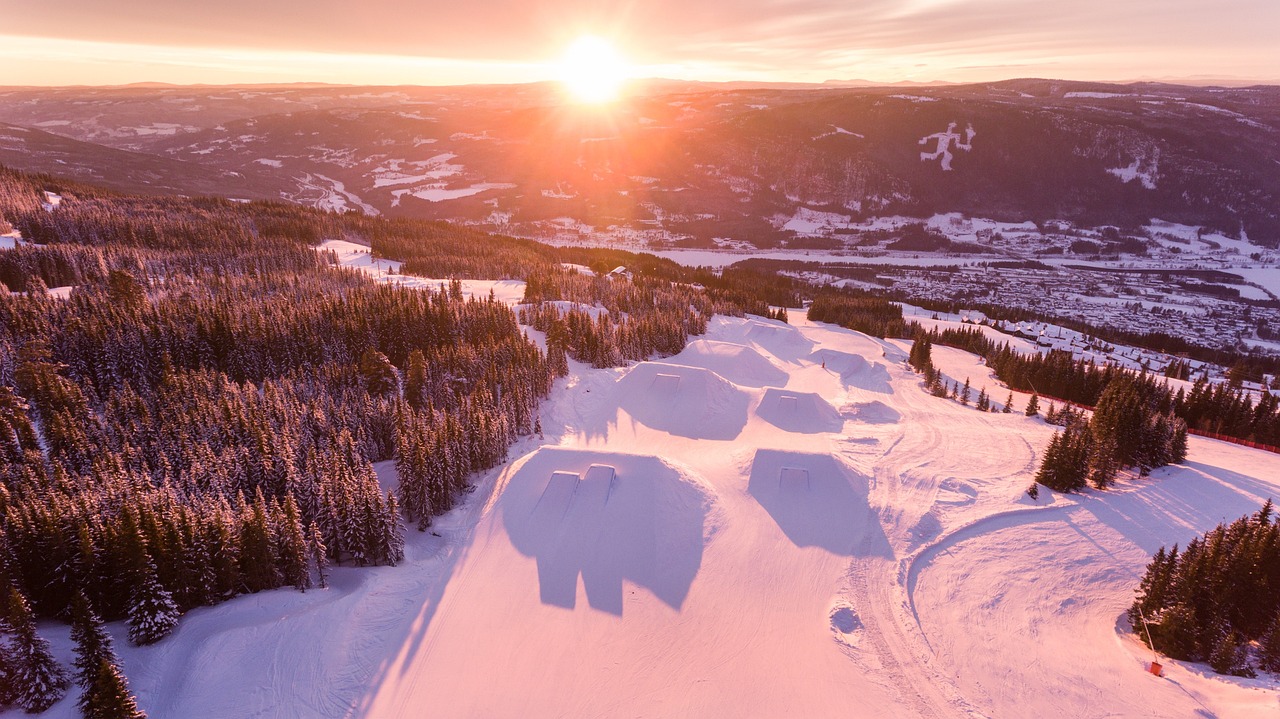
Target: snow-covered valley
x=779 y=521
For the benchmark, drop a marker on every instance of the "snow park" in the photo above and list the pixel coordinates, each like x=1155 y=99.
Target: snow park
x=778 y=521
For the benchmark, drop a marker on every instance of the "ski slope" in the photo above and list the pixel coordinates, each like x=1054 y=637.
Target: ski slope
x=779 y=521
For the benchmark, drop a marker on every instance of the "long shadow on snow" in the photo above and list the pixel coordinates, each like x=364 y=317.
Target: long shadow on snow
x=643 y=524
x=416 y=630
x=817 y=502
x=1179 y=504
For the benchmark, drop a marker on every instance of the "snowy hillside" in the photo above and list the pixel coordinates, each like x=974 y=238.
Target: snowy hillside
x=777 y=522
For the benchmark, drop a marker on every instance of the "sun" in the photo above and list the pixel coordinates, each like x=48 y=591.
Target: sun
x=592 y=70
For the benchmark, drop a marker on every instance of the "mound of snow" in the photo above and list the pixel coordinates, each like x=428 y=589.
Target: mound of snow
x=854 y=370
x=737 y=363
x=871 y=413
x=774 y=336
x=685 y=401
x=609 y=518
x=803 y=412
x=817 y=502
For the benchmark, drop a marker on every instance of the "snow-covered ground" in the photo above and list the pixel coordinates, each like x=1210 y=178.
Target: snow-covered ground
x=361 y=257
x=779 y=521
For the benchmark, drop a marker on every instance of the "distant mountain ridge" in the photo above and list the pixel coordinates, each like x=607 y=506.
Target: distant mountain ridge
x=692 y=164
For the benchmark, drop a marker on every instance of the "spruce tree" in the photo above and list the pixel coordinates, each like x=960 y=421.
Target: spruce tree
x=1178 y=446
x=293 y=546
x=1269 y=647
x=38 y=680
x=1008 y=404
x=109 y=696
x=8 y=675
x=1230 y=656
x=378 y=373
x=152 y=613
x=964 y=393
x=1102 y=463
x=319 y=556
x=1033 y=405
x=258 y=561
x=415 y=380
x=93 y=644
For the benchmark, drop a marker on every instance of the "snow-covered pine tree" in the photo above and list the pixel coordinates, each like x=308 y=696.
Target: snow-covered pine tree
x=38 y=680
x=1033 y=405
x=1102 y=463
x=8 y=675
x=93 y=644
x=257 y=546
x=152 y=613
x=393 y=544
x=1178 y=445
x=319 y=556
x=109 y=696
x=1269 y=647
x=415 y=380
x=292 y=546
x=1231 y=656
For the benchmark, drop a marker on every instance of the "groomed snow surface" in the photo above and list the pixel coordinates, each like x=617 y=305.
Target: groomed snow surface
x=777 y=522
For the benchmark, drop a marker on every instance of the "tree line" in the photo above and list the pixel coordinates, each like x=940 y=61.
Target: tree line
x=1217 y=600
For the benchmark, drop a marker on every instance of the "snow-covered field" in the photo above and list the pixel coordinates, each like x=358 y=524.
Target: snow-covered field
x=360 y=257
x=779 y=521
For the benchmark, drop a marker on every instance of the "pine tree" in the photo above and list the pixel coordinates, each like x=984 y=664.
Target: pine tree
x=93 y=644
x=8 y=675
x=1008 y=404
x=1269 y=647
x=1230 y=656
x=1102 y=463
x=38 y=680
x=319 y=556
x=258 y=559
x=1178 y=446
x=964 y=393
x=152 y=613
x=415 y=380
x=921 y=355
x=1033 y=405
x=984 y=403
x=109 y=696
x=293 y=546
x=379 y=375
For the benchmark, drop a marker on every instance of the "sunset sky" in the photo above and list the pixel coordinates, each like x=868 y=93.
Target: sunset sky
x=432 y=42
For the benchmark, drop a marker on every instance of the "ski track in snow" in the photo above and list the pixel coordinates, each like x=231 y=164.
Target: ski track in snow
x=793 y=527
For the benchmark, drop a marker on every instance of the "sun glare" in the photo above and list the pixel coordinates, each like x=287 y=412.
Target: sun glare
x=592 y=71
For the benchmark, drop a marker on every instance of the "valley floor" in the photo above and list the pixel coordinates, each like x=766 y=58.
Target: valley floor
x=777 y=522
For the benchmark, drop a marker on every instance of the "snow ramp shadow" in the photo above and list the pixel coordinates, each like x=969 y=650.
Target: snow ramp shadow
x=607 y=517
x=817 y=502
